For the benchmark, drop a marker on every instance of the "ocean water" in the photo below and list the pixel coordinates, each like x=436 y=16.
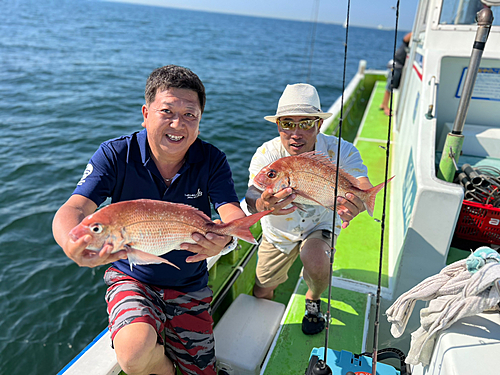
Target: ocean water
x=72 y=75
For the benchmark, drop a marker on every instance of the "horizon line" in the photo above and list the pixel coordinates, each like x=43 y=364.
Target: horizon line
x=378 y=27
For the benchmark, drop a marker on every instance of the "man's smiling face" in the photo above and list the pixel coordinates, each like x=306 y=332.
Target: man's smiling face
x=297 y=141
x=172 y=121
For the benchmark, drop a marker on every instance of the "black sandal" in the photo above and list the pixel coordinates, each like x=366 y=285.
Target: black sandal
x=313 y=321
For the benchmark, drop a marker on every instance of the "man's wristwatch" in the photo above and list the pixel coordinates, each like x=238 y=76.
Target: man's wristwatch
x=230 y=246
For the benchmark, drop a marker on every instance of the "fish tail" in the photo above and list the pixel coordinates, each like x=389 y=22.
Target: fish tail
x=372 y=194
x=240 y=227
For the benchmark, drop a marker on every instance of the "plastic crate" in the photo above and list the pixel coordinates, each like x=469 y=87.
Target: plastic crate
x=479 y=222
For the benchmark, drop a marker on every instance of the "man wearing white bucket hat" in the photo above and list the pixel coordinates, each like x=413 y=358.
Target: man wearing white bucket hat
x=289 y=232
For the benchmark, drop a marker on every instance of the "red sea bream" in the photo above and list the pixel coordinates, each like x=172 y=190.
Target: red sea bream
x=312 y=177
x=147 y=228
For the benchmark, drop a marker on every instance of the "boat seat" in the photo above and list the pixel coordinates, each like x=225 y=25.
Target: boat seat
x=244 y=334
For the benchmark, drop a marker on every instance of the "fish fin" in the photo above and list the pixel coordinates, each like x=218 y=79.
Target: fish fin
x=138 y=257
x=372 y=194
x=240 y=227
x=306 y=196
x=300 y=206
x=175 y=208
x=194 y=210
x=318 y=157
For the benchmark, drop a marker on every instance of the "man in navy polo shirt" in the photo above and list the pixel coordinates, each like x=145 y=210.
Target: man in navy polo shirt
x=165 y=161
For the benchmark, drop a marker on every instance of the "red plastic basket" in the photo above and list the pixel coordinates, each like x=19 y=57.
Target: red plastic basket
x=479 y=222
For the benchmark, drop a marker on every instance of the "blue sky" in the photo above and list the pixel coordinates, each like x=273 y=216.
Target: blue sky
x=367 y=13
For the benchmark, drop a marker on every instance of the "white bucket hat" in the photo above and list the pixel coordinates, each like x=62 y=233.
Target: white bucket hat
x=300 y=99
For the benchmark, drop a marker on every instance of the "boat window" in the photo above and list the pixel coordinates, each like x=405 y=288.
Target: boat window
x=463 y=12
x=422 y=15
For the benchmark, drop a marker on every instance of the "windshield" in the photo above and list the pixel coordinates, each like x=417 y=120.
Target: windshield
x=463 y=12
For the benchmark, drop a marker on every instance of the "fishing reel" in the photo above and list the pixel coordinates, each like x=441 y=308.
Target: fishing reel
x=318 y=367
x=347 y=363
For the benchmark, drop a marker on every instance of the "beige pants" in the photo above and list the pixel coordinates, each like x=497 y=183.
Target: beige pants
x=273 y=265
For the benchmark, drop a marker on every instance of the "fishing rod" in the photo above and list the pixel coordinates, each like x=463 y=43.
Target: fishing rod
x=321 y=367
x=382 y=224
x=313 y=37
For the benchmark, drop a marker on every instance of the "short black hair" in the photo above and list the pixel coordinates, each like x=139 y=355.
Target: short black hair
x=173 y=76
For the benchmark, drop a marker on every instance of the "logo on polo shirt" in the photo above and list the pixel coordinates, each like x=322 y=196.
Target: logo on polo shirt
x=86 y=173
x=194 y=196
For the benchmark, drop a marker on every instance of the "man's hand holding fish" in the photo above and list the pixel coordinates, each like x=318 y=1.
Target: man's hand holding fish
x=350 y=206
x=84 y=257
x=68 y=216
x=206 y=246
x=209 y=245
x=277 y=202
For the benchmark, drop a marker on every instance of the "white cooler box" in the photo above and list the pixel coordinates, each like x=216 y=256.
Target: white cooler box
x=470 y=346
x=244 y=334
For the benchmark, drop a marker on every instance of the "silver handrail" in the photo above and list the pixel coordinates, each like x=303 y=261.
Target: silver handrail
x=429 y=115
x=484 y=21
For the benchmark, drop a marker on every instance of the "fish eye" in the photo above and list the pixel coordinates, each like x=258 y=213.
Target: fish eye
x=271 y=173
x=96 y=228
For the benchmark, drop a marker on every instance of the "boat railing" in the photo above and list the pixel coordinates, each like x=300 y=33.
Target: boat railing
x=353 y=102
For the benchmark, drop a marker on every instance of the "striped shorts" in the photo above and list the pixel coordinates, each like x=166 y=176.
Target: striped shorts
x=183 y=319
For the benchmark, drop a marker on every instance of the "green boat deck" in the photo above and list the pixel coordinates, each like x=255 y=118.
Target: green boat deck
x=290 y=354
x=358 y=246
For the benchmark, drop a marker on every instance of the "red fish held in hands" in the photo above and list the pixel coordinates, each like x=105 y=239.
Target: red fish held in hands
x=312 y=177
x=147 y=228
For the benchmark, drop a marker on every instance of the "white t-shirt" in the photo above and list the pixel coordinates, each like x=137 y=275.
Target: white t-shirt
x=284 y=231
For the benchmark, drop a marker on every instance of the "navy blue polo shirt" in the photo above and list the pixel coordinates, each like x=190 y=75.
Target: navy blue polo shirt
x=123 y=169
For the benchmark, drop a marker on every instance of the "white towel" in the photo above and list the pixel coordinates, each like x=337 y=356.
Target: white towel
x=477 y=296
x=454 y=293
x=450 y=280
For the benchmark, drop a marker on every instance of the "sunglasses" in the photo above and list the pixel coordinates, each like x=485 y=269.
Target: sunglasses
x=304 y=124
